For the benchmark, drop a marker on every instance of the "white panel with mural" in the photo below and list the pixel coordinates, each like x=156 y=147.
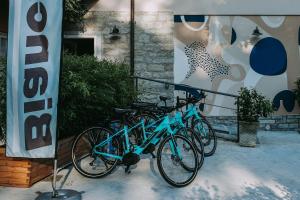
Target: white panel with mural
x=224 y=53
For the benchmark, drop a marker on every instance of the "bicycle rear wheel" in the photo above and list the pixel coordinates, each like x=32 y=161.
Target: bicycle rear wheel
x=197 y=142
x=84 y=159
x=208 y=136
x=177 y=160
x=149 y=119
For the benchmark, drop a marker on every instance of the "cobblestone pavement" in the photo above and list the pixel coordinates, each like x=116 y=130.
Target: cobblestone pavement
x=269 y=171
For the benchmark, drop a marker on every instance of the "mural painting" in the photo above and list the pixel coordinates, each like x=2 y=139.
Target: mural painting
x=225 y=53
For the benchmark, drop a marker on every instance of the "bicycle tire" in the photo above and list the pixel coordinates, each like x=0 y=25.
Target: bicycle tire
x=161 y=167
x=196 y=139
x=75 y=144
x=149 y=118
x=207 y=139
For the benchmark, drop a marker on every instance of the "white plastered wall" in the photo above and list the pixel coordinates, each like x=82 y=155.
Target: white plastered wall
x=206 y=7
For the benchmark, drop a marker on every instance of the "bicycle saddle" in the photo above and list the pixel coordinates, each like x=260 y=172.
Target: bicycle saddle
x=122 y=111
x=166 y=109
x=163 y=98
x=142 y=104
x=192 y=100
x=180 y=104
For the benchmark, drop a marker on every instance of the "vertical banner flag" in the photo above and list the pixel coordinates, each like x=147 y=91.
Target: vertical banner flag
x=33 y=63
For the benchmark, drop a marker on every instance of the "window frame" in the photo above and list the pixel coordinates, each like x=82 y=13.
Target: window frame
x=95 y=37
x=4 y=36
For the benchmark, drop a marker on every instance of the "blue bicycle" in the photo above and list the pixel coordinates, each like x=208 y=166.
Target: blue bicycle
x=193 y=119
x=97 y=151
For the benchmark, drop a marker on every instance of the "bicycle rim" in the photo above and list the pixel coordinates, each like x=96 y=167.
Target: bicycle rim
x=207 y=134
x=196 y=140
x=173 y=167
x=85 y=161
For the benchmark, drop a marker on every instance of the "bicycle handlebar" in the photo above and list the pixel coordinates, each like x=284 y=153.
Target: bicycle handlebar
x=188 y=100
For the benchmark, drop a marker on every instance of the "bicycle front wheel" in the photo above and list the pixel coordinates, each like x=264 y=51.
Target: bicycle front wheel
x=177 y=160
x=208 y=136
x=196 y=140
x=86 y=161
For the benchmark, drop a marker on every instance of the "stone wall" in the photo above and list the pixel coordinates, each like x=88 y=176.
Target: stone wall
x=274 y=123
x=281 y=123
x=154 y=51
x=225 y=124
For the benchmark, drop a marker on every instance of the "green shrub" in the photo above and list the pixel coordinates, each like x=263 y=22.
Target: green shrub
x=297 y=91
x=2 y=98
x=89 y=90
x=74 y=11
x=253 y=105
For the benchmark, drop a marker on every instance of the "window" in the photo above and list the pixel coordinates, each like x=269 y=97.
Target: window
x=3 y=45
x=79 y=46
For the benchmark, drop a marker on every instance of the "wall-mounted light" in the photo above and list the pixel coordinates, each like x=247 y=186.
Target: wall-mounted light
x=255 y=36
x=256 y=32
x=248 y=45
x=115 y=33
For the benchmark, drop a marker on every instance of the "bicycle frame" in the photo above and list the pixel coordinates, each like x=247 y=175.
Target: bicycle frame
x=162 y=129
x=190 y=113
x=179 y=119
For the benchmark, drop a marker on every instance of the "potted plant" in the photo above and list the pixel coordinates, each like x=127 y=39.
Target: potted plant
x=252 y=106
x=297 y=91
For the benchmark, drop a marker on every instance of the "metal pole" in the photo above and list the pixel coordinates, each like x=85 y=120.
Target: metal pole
x=238 y=119
x=136 y=85
x=59 y=194
x=54 y=192
x=132 y=29
x=174 y=84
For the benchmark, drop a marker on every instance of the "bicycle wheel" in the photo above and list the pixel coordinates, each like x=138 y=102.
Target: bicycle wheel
x=208 y=136
x=196 y=139
x=85 y=161
x=148 y=120
x=174 y=155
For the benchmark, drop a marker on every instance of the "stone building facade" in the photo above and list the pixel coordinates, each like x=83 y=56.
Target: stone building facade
x=158 y=40
x=154 y=49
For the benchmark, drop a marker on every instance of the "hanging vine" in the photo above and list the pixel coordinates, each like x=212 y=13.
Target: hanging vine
x=74 y=11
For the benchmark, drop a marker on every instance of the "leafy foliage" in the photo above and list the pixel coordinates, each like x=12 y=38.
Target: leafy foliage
x=90 y=89
x=253 y=105
x=297 y=91
x=2 y=98
x=74 y=11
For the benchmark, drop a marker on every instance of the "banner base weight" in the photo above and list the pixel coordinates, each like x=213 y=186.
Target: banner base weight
x=60 y=194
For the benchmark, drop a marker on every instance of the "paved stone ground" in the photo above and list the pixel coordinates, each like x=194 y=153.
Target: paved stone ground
x=270 y=171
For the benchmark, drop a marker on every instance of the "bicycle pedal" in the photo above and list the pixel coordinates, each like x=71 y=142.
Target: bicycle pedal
x=153 y=155
x=127 y=170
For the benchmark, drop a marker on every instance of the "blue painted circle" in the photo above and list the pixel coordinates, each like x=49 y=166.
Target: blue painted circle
x=233 y=36
x=288 y=97
x=268 y=57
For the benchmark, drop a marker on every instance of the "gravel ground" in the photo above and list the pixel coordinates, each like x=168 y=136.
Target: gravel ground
x=269 y=171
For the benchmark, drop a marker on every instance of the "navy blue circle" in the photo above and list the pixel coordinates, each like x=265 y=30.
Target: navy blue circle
x=268 y=57
x=233 y=36
x=288 y=97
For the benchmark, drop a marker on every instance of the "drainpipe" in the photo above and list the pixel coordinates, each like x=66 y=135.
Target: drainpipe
x=132 y=22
